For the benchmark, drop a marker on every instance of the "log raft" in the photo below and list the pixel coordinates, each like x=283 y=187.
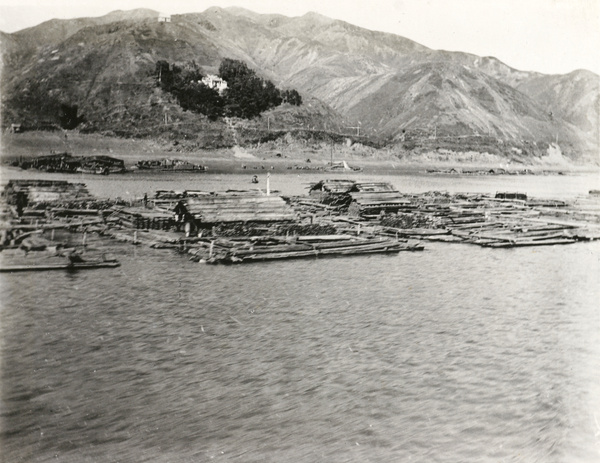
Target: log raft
x=222 y=252
x=342 y=218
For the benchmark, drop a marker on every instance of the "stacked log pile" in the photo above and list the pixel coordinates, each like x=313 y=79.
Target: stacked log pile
x=358 y=198
x=413 y=220
x=291 y=229
x=585 y=208
x=373 y=203
x=143 y=218
x=37 y=220
x=504 y=220
x=36 y=203
x=493 y=222
x=312 y=207
x=238 y=207
x=65 y=162
x=38 y=191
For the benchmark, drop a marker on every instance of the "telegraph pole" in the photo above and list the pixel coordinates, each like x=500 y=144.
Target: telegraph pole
x=331 y=162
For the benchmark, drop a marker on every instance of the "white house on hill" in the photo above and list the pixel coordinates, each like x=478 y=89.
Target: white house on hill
x=212 y=81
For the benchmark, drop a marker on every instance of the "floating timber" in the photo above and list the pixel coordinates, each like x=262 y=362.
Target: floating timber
x=169 y=165
x=508 y=219
x=337 y=218
x=45 y=191
x=238 y=207
x=67 y=163
x=273 y=248
x=65 y=266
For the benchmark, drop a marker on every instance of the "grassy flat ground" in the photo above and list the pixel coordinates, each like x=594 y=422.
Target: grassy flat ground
x=279 y=158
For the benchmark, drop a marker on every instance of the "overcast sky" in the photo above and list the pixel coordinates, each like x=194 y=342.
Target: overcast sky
x=550 y=36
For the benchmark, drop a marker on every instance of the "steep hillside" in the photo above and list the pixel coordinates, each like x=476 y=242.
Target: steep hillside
x=55 y=31
x=458 y=100
x=28 y=42
x=573 y=97
x=388 y=84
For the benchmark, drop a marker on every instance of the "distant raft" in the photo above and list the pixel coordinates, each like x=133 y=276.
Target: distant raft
x=71 y=265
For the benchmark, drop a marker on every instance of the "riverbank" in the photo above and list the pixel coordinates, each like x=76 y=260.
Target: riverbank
x=283 y=156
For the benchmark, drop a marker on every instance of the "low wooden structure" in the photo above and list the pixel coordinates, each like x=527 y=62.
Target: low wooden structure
x=330 y=186
x=358 y=198
x=375 y=198
x=511 y=195
x=235 y=207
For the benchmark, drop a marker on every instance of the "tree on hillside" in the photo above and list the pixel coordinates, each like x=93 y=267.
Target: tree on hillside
x=67 y=116
x=185 y=83
x=232 y=70
x=199 y=98
x=292 y=97
x=247 y=95
x=170 y=77
x=164 y=75
x=272 y=94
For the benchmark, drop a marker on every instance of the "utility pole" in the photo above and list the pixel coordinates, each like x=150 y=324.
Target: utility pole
x=331 y=162
x=268 y=183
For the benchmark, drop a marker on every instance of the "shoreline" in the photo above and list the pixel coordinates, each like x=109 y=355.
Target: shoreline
x=294 y=157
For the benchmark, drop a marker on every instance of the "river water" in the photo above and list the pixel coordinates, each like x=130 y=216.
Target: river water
x=454 y=354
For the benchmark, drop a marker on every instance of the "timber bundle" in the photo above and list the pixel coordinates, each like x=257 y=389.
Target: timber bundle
x=169 y=165
x=277 y=247
x=508 y=219
x=336 y=218
x=36 y=221
x=492 y=171
x=67 y=163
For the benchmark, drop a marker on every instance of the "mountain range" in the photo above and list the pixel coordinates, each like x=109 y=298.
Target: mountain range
x=372 y=85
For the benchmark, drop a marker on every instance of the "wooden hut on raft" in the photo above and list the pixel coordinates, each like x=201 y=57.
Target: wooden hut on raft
x=371 y=198
x=234 y=207
x=327 y=187
x=332 y=192
x=360 y=198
